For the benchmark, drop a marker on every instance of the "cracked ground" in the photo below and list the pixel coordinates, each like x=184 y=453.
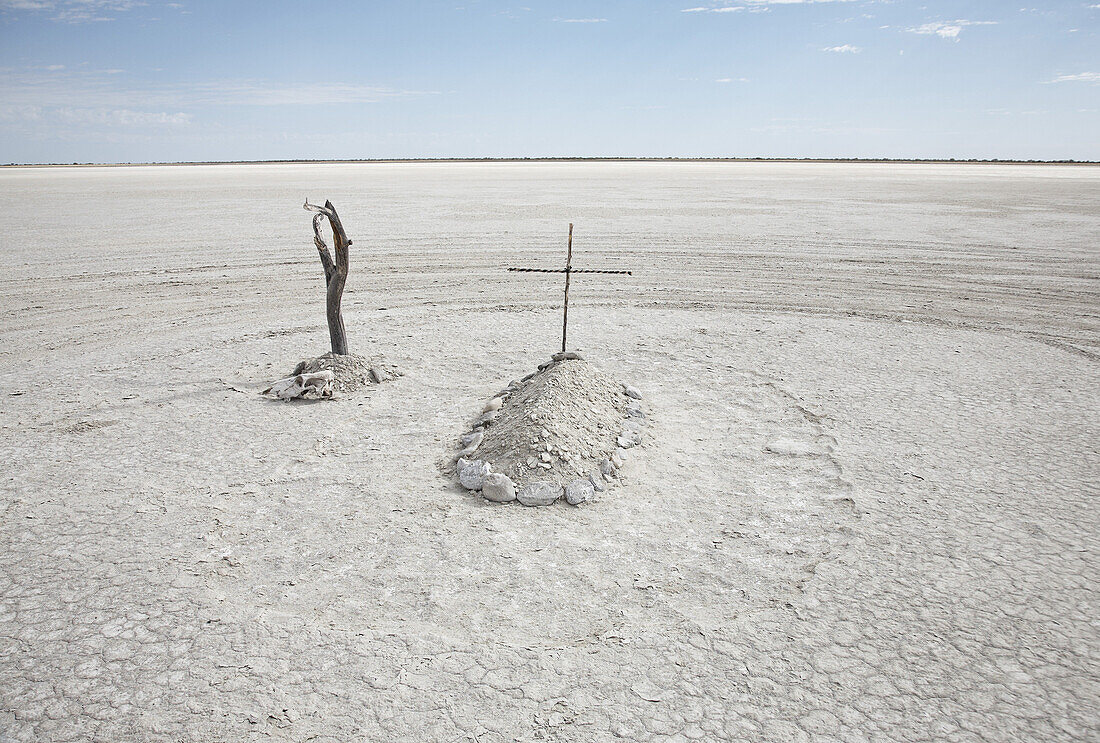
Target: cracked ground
x=865 y=509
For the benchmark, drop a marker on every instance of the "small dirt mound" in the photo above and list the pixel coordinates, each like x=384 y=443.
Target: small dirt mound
x=564 y=426
x=352 y=371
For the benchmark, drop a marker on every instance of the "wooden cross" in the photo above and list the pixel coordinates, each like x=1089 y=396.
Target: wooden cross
x=567 y=271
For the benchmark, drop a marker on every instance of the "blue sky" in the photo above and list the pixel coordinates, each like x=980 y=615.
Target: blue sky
x=127 y=81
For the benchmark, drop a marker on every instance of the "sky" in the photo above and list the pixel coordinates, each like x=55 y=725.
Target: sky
x=129 y=81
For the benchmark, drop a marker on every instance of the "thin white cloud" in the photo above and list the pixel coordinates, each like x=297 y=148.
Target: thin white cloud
x=121 y=117
x=20 y=113
x=72 y=11
x=754 y=6
x=27 y=4
x=581 y=20
x=94 y=117
x=1080 y=77
x=258 y=93
x=732 y=80
x=947 y=29
x=843 y=49
x=110 y=89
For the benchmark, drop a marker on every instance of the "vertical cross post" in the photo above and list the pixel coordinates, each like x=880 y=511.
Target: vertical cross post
x=568 y=270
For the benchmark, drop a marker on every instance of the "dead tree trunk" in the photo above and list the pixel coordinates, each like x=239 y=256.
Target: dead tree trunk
x=336 y=273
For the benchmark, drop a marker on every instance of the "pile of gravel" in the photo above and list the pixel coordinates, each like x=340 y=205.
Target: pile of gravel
x=352 y=372
x=561 y=431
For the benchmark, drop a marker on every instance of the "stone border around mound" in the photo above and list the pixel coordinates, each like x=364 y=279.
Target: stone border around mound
x=477 y=475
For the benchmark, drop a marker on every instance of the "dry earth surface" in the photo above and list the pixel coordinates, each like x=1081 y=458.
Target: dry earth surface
x=865 y=508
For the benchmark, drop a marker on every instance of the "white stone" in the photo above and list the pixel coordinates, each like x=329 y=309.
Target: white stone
x=579 y=491
x=632 y=392
x=471 y=473
x=539 y=493
x=470 y=442
x=498 y=488
x=596 y=478
x=493 y=404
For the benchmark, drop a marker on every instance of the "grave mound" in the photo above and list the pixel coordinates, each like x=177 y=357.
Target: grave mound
x=561 y=431
x=331 y=373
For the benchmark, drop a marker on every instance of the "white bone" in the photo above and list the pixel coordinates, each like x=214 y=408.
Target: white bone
x=311 y=385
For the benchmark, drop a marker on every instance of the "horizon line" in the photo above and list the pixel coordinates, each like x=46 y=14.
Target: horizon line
x=322 y=161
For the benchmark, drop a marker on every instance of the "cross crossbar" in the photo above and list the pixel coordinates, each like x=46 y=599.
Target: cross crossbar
x=568 y=270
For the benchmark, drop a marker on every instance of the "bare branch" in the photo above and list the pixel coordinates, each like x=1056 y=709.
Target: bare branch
x=322 y=248
x=336 y=272
x=326 y=209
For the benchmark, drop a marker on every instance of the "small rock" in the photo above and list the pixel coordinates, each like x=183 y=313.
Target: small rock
x=498 y=488
x=544 y=433
x=596 y=478
x=544 y=465
x=567 y=356
x=607 y=468
x=544 y=457
x=378 y=375
x=624 y=442
x=616 y=459
x=486 y=419
x=539 y=493
x=531 y=461
x=493 y=404
x=632 y=392
x=579 y=491
x=634 y=410
x=470 y=442
x=471 y=473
